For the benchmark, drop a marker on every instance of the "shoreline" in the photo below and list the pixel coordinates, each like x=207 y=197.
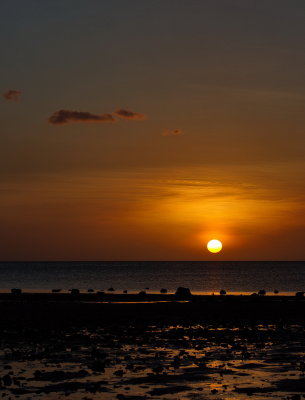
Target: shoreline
x=63 y=309
x=142 y=296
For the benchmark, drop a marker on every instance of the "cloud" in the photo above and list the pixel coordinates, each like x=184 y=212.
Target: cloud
x=12 y=95
x=172 y=132
x=126 y=114
x=62 y=117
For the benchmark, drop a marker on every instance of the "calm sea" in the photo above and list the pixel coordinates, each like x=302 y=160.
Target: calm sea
x=200 y=277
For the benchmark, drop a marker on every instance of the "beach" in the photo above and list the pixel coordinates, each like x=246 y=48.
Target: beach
x=59 y=345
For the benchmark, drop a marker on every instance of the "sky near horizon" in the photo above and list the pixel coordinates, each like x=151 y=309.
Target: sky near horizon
x=139 y=130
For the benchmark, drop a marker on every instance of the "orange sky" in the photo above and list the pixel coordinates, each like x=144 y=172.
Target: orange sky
x=141 y=132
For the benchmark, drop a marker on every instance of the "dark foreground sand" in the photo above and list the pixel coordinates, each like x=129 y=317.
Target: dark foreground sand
x=210 y=347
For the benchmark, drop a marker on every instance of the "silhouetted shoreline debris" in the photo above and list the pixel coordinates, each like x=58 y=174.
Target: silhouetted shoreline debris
x=16 y=291
x=183 y=293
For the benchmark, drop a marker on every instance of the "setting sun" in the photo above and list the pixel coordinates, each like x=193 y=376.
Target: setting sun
x=214 y=246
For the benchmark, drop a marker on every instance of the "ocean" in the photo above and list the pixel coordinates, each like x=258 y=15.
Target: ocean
x=201 y=277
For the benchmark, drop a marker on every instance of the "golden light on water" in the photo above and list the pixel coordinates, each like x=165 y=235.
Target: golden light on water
x=214 y=246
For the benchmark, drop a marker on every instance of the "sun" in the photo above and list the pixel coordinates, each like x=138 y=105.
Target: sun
x=214 y=246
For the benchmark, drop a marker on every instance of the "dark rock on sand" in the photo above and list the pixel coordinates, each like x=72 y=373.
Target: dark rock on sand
x=59 y=375
x=168 y=390
x=97 y=353
x=124 y=397
x=119 y=372
x=111 y=289
x=56 y=290
x=158 y=369
x=98 y=366
x=183 y=293
x=74 y=291
x=291 y=385
x=73 y=387
x=20 y=391
x=176 y=363
x=250 y=390
x=163 y=291
x=7 y=380
x=222 y=292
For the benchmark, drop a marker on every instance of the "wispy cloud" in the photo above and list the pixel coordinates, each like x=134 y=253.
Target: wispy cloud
x=172 y=132
x=62 y=117
x=127 y=114
x=12 y=95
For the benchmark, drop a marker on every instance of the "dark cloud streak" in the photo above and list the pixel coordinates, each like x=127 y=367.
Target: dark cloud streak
x=62 y=117
x=12 y=95
x=126 y=114
x=172 y=132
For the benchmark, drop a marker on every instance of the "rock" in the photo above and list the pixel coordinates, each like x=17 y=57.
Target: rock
x=262 y=292
x=125 y=291
x=202 y=366
x=183 y=293
x=56 y=290
x=296 y=397
x=163 y=291
x=168 y=390
x=37 y=374
x=16 y=291
x=7 y=380
x=111 y=289
x=90 y=290
x=158 y=369
x=59 y=375
x=299 y=295
x=119 y=372
x=222 y=292
x=74 y=291
x=98 y=366
x=120 y=396
x=176 y=363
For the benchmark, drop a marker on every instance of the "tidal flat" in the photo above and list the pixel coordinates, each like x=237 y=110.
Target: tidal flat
x=153 y=362
x=209 y=347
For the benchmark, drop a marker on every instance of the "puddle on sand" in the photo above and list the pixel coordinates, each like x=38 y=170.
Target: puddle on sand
x=138 y=363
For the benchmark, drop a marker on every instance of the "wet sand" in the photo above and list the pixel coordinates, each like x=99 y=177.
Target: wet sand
x=212 y=347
